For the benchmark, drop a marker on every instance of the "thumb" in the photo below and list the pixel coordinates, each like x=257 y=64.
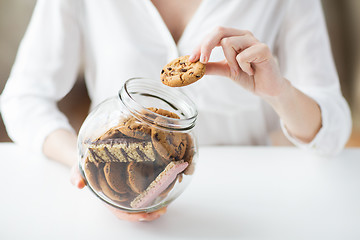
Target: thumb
x=76 y=179
x=218 y=68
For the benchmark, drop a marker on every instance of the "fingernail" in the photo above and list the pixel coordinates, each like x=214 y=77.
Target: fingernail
x=203 y=59
x=250 y=72
x=142 y=219
x=192 y=58
x=81 y=183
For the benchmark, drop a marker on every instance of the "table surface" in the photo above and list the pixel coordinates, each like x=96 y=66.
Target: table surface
x=236 y=193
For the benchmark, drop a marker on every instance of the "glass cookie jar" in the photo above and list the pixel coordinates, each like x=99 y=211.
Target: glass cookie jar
x=137 y=151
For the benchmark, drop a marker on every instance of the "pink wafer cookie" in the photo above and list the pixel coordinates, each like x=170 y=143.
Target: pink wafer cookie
x=162 y=181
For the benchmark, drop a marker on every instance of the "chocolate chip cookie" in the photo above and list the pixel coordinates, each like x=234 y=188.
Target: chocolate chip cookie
x=131 y=127
x=164 y=112
x=181 y=72
x=189 y=155
x=169 y=144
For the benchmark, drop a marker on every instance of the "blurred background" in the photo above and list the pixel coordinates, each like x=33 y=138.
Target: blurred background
x=343 y=21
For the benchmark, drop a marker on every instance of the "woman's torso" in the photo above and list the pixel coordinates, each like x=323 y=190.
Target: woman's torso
x=124 y=39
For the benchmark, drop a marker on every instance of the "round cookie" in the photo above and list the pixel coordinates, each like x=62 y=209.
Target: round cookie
x=181 y=72
x=160 y=163
x=188 y=156
x=169 y=144
x=112 y=133
x=140 y=175
x=164 y=112
x=115 y=175
x=91 y=173
x=106 y=189
x=131 y=127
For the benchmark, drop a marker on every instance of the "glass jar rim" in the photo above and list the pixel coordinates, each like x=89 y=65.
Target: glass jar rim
x=186 y=121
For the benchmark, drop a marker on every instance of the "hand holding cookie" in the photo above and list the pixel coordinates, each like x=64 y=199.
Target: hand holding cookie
x=248 y=61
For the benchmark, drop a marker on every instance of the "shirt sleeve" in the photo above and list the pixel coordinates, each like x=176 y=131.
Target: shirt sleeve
x=305 y=59
x=45 y=70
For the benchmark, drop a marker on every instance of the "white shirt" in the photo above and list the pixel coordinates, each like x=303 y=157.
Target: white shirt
x=119 y=39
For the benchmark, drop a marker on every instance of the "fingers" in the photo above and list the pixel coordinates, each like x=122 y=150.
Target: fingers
x=218 y=68
x=195 y=55
x=138 y=217
x=243 y=53
x=233 y=46
x=244 y=64
x=75 y=178
x=253 y=56
x=203 y=51
x=153 y=216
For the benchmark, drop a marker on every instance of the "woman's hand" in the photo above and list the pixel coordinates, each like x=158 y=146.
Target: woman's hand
x=79 y=182
x=251 y=64
x=247 y=61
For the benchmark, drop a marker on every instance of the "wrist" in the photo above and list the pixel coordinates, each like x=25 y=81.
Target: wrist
x=282 y=96
x=61 y=146
x=300 y=114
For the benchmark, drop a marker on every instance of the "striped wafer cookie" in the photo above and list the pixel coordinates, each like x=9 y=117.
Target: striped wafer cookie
x=161 y=182
x=120 y=150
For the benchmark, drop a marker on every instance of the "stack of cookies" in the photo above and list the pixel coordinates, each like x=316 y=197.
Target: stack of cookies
x=136 y=164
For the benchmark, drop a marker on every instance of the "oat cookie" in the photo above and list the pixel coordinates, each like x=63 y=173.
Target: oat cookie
x=181 y=72
x=108 y=191
x=91 y=171
x=115 y=175
x=140 y=176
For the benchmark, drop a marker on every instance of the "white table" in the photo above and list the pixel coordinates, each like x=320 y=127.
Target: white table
x=236 y=193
